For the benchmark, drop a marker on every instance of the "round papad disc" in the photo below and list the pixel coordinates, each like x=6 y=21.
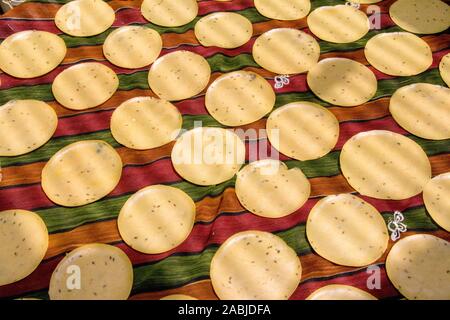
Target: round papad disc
x=444 y=69
x=436 y=196
x=224 y=30
x=286 y=51
x=23 y=244
x=169 y=13
x=81 y=173
x=85 y=85
x=331 y=230
x=303 y=130
x=385 y=165
x=418 y=16
x=283 y=9
x=156 y=219
x=340 y=292
x=398 y=53
x=132 y=46
x=342 y=82
x=339 y=24
x=239 y=98
x=269 y=189
x=179 y=75
x=145 y=123
x=255 y=265
x=92 y=272
x=418 y=266
x=84 y=18
x=423 y=109
x=30 y=54
x=208 y=156
x=25 y=125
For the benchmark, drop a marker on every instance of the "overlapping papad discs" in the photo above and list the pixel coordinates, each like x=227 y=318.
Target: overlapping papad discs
x=239 y=98
x=418 y=16
x=156 y=219
x=444 y=69
x=85 y=85
x=179 y=75
x=178 y=297
x=81 y=173
x=398 y=53
x=340 y=292
x=385 y=165
x=255 y=265
x=132 y=46
x=84 y=18
x=224 y=30
x=423 y=109
x=418 y=267
x=25 y=125
x=342 y=82
x=339 y=24
x=23 y=244
x=331 y=230
x=283 y=9
x=208 y=156
x=92 y=272
x=30 y=54
x=286 y=51
x=145 y=123
x=169 y=13
x=436 y=196
x=303 y=130
x=269 y=189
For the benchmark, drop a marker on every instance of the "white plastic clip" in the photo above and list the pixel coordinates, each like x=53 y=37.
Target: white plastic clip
x=281 y=81
x=396 y=226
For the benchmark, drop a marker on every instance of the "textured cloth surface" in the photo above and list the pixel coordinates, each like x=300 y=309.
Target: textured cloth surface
x=185 y=269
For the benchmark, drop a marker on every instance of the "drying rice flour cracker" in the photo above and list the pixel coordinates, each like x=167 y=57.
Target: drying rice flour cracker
x=85 y=85
x=156 y=219
x=84 y=18
x=436 y=197
x=23 y=244
x=385 y=165
x=224 y=30
x=30 y=54
x=398 y=53
x=269 y=189
x=339 y=24
x=145 y=123
x=92 y=272
x=423 y=109
x=347 y=230
x=25 y=125
x=419 y=16
x=81 y=173
x=255 y=265
x=418 y=266
x=239 y=98
x=303 y=130
x=286 y=51
x=342 y=82
x=208 y=156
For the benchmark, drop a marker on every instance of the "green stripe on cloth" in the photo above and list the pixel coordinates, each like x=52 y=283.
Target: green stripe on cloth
x=220 y=62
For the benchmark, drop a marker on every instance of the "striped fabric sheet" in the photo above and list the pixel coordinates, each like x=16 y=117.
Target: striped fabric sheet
x=185 y=269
